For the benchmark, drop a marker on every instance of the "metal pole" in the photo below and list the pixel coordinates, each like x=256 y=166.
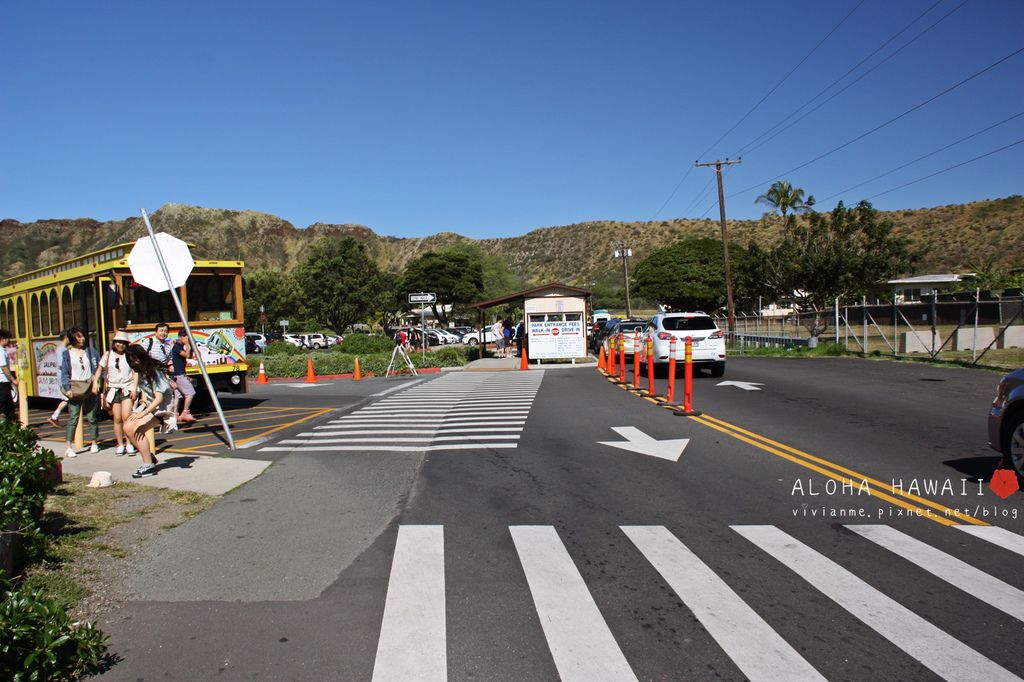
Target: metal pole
x=974 y=344
x=423 y=334
x=837 y=321
x=188 y=329
x=864 y=319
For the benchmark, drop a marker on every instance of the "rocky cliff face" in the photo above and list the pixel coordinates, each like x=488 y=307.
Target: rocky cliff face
x=953 y=237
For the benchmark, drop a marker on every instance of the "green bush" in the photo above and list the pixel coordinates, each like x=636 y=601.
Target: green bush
x=39 y=641
x=25 y=477
x=329 y=362
x=283 y=348
x=365 y=344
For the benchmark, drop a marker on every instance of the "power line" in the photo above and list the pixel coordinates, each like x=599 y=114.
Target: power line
x=946 y=170
x=851 y=70
x=761 y=101
x=922 y=158
x=856 y=80
x=883 y=125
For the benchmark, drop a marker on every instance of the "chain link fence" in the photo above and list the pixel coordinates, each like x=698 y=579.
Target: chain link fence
x=955 y=327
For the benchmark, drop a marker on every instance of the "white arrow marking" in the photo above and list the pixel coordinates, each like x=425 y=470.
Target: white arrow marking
x=745 y=385
x=638 y=441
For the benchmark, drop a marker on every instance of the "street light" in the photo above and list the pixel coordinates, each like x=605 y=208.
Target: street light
x=624 y=252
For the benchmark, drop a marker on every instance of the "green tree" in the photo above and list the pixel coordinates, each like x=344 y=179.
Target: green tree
x=783 y=198
x=453 y=274
x=390 y=301
x=279 y=295
x=340 y=282
x=690 y=275
x=830 y=256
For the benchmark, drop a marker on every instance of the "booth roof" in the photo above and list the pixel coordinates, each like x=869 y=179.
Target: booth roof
x=553 y=289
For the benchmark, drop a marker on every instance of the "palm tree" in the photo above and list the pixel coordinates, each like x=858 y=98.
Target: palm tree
x=783 y=197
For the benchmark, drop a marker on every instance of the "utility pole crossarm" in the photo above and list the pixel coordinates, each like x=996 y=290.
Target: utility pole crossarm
x=725 y=234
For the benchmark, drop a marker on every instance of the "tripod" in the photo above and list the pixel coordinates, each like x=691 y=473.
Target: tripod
x=397 y=355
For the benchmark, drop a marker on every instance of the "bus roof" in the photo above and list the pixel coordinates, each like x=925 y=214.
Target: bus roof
x=103 y=259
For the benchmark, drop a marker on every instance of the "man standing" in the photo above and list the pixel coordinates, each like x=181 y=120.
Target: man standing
x=520 y=338
x=180 y=352
x=159 y=347
x=6 y=379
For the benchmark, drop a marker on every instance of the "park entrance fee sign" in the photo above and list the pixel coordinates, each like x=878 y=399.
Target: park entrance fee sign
x=554 y=336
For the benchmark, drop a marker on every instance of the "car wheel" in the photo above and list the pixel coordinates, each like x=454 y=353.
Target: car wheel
x=316 y=346
x=718 y=369
x=1013 y=444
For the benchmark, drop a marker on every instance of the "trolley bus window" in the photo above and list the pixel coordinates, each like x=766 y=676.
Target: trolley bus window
x=54 y=314
x=69 y=308
x=211 y=297
x=21 y=319
x=145 y=306
x=37 y=316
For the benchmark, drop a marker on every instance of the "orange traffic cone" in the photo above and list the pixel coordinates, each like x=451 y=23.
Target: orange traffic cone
x=356 y=374
x=524 y=361
x=310 y=375
x=261 y=378
x=601 y=362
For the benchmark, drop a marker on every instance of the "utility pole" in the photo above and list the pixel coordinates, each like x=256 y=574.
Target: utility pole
x=624 y=252
x=725 y=236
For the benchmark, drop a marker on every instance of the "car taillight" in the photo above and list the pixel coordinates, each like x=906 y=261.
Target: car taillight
x=664 y=336
x=1000 y=395
x=716 y=334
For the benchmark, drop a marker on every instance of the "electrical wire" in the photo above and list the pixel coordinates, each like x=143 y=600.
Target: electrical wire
x=856 y=66
x=882 y=125
x=922 y=158
x=857 y=79
x=946 y=170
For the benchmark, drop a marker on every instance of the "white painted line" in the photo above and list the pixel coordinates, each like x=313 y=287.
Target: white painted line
x=957 y=573
x=997 y=536
x=944 y=655
x=254 y=443
x=579 y=639
x=395 y=448
x=426 y=420
x=397 y=388
x=752 y=644
x=397 y=432
x=413 y=636
x=439 y=413
x=392 y=439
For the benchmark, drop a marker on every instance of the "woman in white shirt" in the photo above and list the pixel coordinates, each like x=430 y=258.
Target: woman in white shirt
x=120 y=393
x=76 y=370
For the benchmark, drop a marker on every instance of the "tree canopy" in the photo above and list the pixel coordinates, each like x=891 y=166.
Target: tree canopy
x=783 y=197
x=829 y=256
x=454 y=274
x=277 y=292
x=690 y=275
x=340 y=282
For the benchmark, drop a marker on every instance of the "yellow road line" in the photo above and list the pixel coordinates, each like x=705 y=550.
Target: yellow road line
x=270 y=408
x=917 y=510
x=284 y=426
x=837 y=467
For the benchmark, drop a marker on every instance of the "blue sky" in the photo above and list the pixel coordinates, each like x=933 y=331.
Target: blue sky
x=492 y=119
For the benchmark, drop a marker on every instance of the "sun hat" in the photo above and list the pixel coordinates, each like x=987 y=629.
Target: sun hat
x=122 y=336
x=183 y=333
x=101 y=479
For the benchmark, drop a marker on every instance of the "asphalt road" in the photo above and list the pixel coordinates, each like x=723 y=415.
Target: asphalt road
x=553 y=554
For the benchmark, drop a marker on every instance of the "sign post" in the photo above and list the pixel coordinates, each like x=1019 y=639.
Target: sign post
x=423 y=298
x=176 y=269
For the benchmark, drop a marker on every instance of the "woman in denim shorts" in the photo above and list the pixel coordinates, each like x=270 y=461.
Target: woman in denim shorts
x=120 y=393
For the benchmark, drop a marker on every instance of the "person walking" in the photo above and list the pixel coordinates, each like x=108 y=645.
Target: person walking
x=62 y=349
x=76 y=372
x=497 y=330
x=155 y=409
x=181 y=352
x=120 y=393
x=7 y=385
x=506 y=332
x=520 y=338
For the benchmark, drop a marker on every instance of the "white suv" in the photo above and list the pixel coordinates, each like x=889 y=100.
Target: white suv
x=318 y=341
x=708 y=340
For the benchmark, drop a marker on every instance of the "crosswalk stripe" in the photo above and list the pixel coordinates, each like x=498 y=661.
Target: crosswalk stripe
x=752 y=644
x=406 y=420
x=393 y=439
x=997 y=536
x=989 y=589
x=413 y=638
x=582 y=646
x=939 y=652
x=402 y=432
x=388 y=448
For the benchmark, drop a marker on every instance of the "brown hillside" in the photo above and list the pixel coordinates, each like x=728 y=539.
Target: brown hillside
x=957 y=237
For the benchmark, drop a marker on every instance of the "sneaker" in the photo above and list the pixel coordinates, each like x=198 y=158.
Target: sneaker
x=119 y=452
x=186 y=416
x=145 y=471
x=53 y=422
x=130 y=450
x=70 y=453
x=94 y=448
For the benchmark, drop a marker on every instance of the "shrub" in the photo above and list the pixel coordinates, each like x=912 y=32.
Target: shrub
x=25 y=477
x=39 y=641
x=282 y=348
x=365 y=344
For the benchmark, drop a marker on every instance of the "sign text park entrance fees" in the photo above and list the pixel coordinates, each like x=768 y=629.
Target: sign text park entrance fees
x=556 y=338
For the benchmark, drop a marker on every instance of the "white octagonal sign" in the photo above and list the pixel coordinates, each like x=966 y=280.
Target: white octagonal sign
x=145 y=266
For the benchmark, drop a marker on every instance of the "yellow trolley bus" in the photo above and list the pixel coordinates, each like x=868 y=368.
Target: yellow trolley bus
x=97 y=293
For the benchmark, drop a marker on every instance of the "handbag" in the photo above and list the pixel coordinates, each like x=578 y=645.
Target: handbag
x=80 y=390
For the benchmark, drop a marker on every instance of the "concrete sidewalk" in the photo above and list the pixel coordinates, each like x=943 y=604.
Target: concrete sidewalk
x=198 y=473
x=512 y=364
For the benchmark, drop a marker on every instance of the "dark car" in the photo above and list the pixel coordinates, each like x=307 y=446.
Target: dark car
x=1006 y=421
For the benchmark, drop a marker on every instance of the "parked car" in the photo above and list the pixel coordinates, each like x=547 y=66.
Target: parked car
x=628 y=329
x=473 y=337
x=448 y=336
x=250 y=346
x=318 y=341
x=461 y=331
x=259 y=342
x=1006 y=421
x=293 y=339
x=708 y=340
